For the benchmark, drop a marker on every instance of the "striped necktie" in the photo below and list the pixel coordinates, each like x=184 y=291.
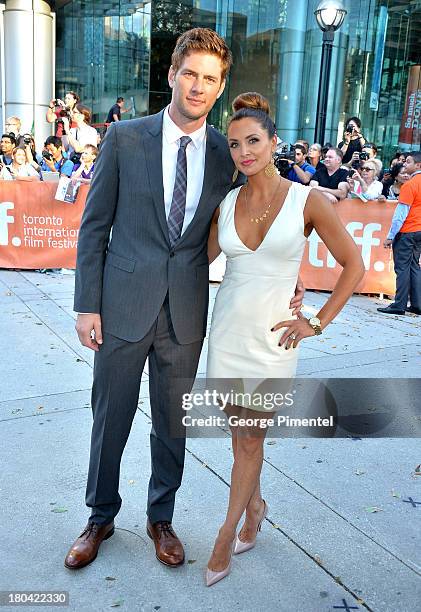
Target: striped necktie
x=178 y=204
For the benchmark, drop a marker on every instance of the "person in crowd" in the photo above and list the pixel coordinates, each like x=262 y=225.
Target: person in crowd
x=86 y=169
x=55 y=161
x=353 y=141
x=301 y=171
x=20 y=168
x=58 y=109
x=303 y=143
x=75 y=139
x=33 y=158
x=370 y=150
x=114 y=114
x=387 y=178
x=392 y=190
x=405 y=239
x=366 y=178
x=314 y=156
x=253 y=296
x=331 y=178
x=7 y=144
x=13 y=125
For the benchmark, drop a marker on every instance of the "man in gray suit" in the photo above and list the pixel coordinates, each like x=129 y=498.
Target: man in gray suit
x=143 y=288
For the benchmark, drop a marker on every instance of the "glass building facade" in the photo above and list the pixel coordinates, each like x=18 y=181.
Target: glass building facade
x=123 y=48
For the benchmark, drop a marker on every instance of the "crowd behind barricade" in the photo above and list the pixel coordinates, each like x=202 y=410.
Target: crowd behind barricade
x=351 y=169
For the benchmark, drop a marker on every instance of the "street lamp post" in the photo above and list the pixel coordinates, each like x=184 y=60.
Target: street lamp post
x=330 y=15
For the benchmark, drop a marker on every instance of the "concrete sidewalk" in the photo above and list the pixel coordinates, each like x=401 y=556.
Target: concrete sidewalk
x=322 y=547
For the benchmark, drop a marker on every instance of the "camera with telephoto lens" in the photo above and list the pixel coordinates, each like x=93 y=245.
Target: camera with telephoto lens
x=284 y=158
x=64 y=111
x=47 y=155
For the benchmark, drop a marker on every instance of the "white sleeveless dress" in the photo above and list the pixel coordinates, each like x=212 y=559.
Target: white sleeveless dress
x=255 y=295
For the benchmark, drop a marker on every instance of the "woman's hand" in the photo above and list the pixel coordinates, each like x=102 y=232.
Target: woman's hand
x=297 y=329
x=296 y=302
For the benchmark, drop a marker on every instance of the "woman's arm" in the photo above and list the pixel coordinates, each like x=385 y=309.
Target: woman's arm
x=213 y=245
x=321 y=215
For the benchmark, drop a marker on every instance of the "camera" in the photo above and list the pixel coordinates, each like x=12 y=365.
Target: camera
x=27 y=139
x=75 y=157
x=284 y=158
x=363 y=156
x=47 y=155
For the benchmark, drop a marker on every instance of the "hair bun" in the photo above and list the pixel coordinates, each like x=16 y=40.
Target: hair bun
x=253 y=100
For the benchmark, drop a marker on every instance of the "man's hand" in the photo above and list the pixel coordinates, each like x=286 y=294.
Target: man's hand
x=88 y=327
x=297 y=301
x=387 y=243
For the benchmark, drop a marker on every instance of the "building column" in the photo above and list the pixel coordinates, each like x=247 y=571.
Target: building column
x=27 y=64
x=292 y=36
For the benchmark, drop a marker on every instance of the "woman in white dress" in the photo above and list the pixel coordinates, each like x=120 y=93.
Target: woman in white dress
x=262 y=228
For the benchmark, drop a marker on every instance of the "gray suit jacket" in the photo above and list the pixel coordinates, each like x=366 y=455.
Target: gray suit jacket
x=125 y=264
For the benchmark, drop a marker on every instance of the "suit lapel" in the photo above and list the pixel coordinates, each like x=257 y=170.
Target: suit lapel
x=152 y=142
x=211 y=171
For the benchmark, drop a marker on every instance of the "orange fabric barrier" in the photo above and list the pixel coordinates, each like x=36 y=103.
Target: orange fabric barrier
x=37 y=231
x=368 y=223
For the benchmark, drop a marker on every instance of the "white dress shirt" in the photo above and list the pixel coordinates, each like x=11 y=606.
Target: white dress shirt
x=195 y=153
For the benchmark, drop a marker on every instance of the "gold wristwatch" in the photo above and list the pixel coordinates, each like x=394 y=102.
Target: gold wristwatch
x=316 y=325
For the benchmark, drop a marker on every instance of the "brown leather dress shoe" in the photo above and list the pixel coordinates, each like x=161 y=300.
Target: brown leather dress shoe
x=85 y=549
x=169 y=549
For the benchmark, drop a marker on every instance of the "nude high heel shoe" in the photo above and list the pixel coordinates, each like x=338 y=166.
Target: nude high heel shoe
x=212 y=577
x=240 y=546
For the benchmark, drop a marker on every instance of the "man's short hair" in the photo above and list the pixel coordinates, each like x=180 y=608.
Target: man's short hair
x=201 y=40
x=11 y=138
x=303 y=143
x=301 y=148
x=14 y=119
x=416 y=156
x=53 y=140
x=120 y=99
x=338 y=152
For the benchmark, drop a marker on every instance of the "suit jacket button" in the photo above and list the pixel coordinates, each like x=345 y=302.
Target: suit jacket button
x=172 y=253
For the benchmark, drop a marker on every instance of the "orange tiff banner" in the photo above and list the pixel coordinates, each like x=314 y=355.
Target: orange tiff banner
x=37 y=231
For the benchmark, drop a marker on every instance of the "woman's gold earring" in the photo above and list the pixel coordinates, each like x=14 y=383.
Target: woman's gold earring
x=270 y=169
x=235 y=175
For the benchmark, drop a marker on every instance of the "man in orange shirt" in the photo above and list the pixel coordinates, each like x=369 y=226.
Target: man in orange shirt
x=405 y=238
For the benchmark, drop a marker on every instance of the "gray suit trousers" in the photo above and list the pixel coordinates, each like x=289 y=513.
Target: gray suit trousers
x=117 y=373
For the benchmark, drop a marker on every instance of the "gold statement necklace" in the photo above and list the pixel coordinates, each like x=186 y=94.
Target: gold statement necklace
x=265 y=213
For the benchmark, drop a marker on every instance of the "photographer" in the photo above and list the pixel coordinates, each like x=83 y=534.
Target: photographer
x=58 y=109
x=28 y=143
x=366 y=176
x=300 y=171
x=20 y=168
x=76 y=139
x=53 y=159
x=353 y=141
x=7 y=144
x=332 y=179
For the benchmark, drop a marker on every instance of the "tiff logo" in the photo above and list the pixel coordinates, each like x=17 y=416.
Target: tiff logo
x=366 y=241
x=5 y=221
